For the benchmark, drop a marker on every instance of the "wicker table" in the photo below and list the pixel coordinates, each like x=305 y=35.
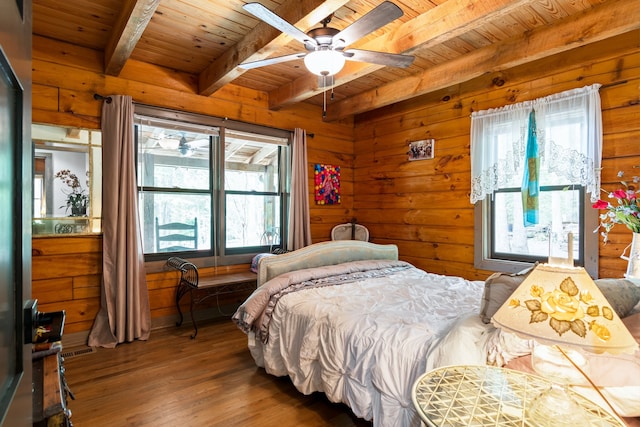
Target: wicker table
x=486 y=396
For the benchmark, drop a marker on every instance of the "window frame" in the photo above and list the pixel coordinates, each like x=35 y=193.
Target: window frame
x=218 y=254
x=483 y=220
x=282 y=192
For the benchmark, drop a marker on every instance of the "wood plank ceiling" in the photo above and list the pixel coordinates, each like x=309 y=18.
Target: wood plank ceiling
x=452 y=40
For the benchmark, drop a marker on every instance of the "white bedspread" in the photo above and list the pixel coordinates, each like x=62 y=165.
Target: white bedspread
x=365 y=343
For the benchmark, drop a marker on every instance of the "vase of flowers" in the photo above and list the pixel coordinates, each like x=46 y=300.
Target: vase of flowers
x=77 y=198
x=624 y=209
x=633 y=260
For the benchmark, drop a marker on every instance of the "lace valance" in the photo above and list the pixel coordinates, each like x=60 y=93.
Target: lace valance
x=569 y=134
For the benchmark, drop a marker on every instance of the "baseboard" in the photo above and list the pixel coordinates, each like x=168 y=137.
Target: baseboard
x=79 y=339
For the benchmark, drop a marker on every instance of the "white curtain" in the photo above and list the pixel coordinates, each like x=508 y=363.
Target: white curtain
x=299 y=217
x=569 y=132
x=124 y=313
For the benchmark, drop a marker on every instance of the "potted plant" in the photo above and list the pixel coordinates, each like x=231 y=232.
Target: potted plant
x=77 y=198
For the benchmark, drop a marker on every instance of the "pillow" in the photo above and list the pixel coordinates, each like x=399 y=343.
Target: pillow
x=623 y=295
x=255 y=260
x=497 y=289
x=633 y=325
x=618 y=375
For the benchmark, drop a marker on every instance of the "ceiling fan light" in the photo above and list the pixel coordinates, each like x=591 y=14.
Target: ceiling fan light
x=324 y=62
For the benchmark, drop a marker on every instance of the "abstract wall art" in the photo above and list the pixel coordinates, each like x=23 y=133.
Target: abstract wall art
x=327 y=184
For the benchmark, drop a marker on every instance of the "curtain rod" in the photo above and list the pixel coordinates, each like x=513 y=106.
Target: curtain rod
x=620 y=82
x=99 y=97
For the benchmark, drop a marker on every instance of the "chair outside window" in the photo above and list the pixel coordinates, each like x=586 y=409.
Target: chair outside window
x=270 y=237
x=176 y=236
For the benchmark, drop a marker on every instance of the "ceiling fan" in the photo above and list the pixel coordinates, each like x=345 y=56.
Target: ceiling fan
x=184 y=147
x=179 y=142
x=326 y=53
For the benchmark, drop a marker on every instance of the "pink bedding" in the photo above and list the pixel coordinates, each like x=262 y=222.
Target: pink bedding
x=618 y=376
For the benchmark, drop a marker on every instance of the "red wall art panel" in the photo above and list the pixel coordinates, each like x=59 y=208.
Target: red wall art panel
x=327 y=184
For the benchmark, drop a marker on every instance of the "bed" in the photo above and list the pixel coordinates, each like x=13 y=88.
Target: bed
x=348 y=319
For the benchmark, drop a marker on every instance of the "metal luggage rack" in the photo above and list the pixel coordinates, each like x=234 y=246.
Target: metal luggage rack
x=210 y=285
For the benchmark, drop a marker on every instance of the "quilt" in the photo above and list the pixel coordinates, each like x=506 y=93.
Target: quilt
x=363 y=341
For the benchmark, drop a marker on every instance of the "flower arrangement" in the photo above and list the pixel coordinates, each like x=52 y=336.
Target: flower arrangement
x=77 y=198
x=566 y=309
x=626 y=210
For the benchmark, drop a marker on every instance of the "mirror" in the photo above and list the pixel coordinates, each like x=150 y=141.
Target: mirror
x=66 y=180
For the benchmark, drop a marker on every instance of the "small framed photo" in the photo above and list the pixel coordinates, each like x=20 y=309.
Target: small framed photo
x=421 y=150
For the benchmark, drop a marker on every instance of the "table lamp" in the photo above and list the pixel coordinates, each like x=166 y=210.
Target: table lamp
x=563 y=311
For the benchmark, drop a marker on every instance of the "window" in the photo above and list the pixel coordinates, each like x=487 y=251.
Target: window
x=252 y=190
x=562 y=135
x=209 y=187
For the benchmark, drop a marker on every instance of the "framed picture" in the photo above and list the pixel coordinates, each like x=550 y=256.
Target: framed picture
x=421 y=150
x=327 y=184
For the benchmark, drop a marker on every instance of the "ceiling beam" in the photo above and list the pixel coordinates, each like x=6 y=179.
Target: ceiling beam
x=263 y=40
x=263 y=153
x=131 y=23
x=607 y=20
x=436 y=26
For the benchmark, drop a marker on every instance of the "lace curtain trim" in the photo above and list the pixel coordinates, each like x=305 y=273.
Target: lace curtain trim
x=574 y=166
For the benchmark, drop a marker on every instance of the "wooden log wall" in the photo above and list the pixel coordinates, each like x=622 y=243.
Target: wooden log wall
x=67 y=273
x=65 y=78
x=423 y=206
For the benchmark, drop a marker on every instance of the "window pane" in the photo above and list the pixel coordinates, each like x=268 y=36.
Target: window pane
x=252 y=220
x=251 y=162
x=169 y=158
x=167 y=208
x=560 y=215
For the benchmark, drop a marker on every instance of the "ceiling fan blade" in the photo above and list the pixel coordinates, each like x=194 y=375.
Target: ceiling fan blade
x=261 y=12
x=271 y=61
x=377 y=18
x=380 y=58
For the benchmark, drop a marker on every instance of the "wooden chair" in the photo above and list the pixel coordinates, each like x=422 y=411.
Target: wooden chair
x=176 y=236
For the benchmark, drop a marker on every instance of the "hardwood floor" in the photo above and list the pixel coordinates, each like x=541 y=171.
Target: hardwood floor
x=172 y=380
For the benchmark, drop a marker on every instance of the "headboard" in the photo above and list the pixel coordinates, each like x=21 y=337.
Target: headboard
x=323 y=253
